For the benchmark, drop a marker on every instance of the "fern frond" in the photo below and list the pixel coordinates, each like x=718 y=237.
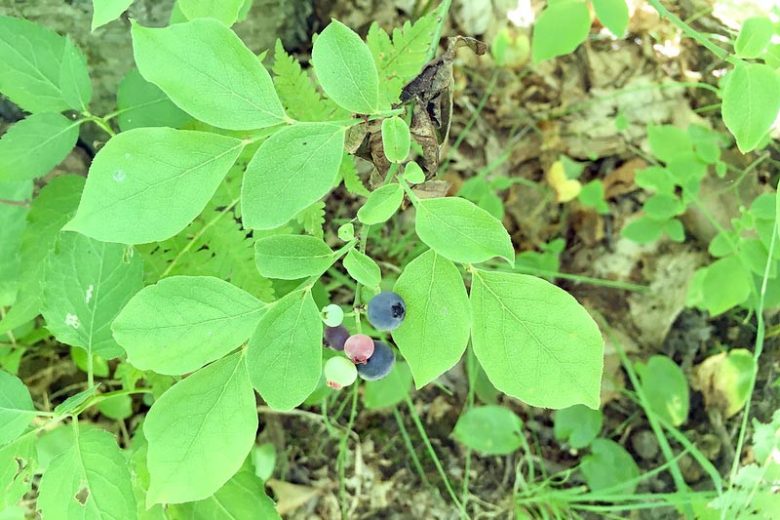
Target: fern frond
x=214 y=244
x=299 y=96
x=401 y=58
x=350 y=176
x=312 y=219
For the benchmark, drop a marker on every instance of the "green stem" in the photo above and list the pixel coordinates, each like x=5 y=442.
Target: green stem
x=690 y=31
x=432 y=454
x=443 y=11
x=757 y=350
x=342 y=461
x=410 y=448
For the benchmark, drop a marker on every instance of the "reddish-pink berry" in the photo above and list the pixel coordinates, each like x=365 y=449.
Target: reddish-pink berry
x=359 y=348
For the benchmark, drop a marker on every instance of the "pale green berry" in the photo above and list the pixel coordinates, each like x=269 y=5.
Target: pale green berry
x=339 y=372
x=332 y=315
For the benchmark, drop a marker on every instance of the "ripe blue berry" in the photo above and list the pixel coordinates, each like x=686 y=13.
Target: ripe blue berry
x=335 y=337
x=359 y=348
x=379 y=364
x=386 y=311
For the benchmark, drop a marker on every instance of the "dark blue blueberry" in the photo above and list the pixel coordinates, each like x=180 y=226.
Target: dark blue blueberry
x=386 y=311
x=335 y=337
x=379 y=364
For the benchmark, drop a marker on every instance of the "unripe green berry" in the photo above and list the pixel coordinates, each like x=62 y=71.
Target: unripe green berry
x=339 y=372
x=332 y=315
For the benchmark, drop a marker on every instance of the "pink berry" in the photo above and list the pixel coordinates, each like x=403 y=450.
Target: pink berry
x=359 y=348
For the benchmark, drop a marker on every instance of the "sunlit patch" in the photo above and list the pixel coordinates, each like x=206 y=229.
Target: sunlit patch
x=522 y=15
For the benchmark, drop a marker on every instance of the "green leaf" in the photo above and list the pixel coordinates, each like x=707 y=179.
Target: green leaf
x=390 y=390
x=577 y=425
x=643 y=230
x=35 y=145
x=461 y=231
x=560 y=29
x=74 y=77
x=345 y=68
x=49 y=211
x=118 y=407
x=381 y=204
x=535 y=342
x=396 y=139
x=435 y=332
x=300 y=98
x=399 y=60
x=751 y=100
x=668 y=142
x=264 y=460
x=226 y=11
x=242 y=497
x=31 y=60
x=214 y=244
x=86 y=284
x=726 y=284
x=608 y=466
x=663 y=206
x=490 y=430
x=754 y=37
x=592 y=196
x=105 y=11
x=14 y=219
x=291 y=170
x=351 y=178
x=74 y=402
x=184 y=322
x=209 y=73
x=17 y=464
x=666 y=388
x=613 y=14
x=200 y=432
x=313 y=219
x=362 y=268
x=285 y=352
x=141 y=104
x=16 y=407
x=290 y=257
x=413 y=174
x=147 y=184
x=656 y=179
x=88 y=480
x=725 y=380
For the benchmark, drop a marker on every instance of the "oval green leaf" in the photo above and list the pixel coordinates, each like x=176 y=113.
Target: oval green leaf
x=142 y=104
x=226 y=11
x=363 y=269
x=490 y=430
x=291 y=170
x=90 y=479
x=147 y=184
x=751 y=101
x=577 y=425
x=461 y=231
x=285 y=352
x=754 y=37
x=86 y=284
x=290 y=257
x=560 y=29
x=666 y=388
x=35 y=145
x=242 y=497
x=436 y=329
x=209 y=73
x=381 y=204
x=16 y=407
x=390 y=390
x=608 y=466
x=105 y=11
x=613 y=14
x=183 y=322
x=345 y=68
x=200 y=432
x=535 y=342
x=396 y=139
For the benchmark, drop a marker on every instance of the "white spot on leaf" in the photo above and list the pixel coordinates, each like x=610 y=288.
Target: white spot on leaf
x=90 y=292
x=120 y=176
x=71 y=320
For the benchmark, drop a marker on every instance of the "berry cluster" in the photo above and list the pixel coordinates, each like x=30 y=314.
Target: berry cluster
x=366 y=357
